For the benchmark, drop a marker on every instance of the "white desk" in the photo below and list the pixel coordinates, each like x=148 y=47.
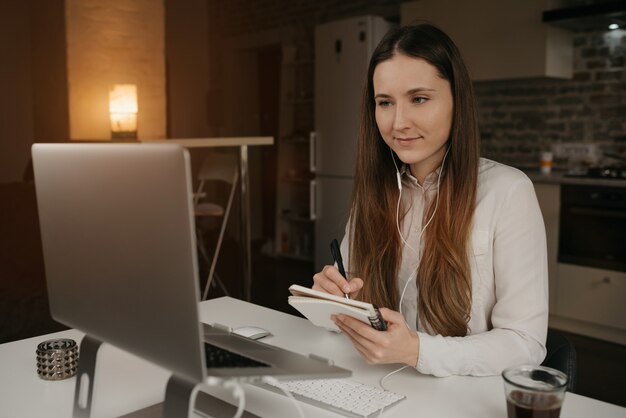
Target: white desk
x=242 y=143
x=125 y=383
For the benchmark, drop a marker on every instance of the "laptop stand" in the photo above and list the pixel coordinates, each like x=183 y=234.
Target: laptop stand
x=85 y=376
x=178 y=392
x=205 y=405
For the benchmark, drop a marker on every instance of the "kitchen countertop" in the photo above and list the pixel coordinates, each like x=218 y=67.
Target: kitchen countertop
x=559 y=178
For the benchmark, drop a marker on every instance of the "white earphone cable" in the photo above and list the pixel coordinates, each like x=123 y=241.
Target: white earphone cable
x=414 y=274
x=398 y=226
x=381 y=381
x=239 y=394
x=418 y=255
x=237 y=390
x=276 y=383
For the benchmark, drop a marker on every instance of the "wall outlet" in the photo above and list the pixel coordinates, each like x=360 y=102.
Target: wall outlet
x=575 y=150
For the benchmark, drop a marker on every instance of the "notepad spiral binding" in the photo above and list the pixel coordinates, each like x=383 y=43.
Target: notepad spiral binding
x=377 y=321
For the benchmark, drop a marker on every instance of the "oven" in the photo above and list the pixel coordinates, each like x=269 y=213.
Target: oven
x=592 y=229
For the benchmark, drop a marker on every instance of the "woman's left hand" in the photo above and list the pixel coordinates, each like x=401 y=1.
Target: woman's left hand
x=398 y=344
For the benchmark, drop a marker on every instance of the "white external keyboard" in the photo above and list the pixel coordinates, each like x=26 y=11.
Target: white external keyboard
x=343 y=396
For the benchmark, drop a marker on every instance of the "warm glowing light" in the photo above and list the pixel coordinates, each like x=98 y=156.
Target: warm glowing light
x=123 y=110
x=613 y=26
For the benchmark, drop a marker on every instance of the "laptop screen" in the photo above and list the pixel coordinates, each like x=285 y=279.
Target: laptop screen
x=118 y=239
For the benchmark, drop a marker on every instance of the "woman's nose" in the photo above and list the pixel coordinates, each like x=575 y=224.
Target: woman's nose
x=400 y=120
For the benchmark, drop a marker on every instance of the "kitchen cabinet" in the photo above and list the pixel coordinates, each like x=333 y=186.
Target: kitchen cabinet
x=592 y=295
x=583 y=300
x=500 y=39
x=549 y=196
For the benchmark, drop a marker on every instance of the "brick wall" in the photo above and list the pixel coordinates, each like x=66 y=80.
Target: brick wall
x=519 y=118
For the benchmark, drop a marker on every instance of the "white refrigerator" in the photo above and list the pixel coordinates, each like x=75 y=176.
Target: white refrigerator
x=342 y=52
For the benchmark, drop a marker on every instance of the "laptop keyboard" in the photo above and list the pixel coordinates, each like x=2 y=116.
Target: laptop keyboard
x=217 y=357
x=346 y=397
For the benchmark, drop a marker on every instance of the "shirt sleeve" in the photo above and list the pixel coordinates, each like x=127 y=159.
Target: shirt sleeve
x=519 y=318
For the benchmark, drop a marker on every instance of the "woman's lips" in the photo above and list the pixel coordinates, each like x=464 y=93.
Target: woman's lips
x=407 y=141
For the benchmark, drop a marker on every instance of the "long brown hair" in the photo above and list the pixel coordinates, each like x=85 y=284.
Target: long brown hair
x=443 y=276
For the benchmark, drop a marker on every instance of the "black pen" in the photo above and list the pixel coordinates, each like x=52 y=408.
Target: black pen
x=336 y=252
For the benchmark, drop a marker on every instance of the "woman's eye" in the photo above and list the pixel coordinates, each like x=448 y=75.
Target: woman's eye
x=419 y=100
x=384 y=103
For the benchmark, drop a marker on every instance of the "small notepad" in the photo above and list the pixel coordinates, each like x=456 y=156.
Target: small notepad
x=317 y=307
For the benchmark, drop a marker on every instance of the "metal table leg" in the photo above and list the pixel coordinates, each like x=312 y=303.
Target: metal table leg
x=245 y=222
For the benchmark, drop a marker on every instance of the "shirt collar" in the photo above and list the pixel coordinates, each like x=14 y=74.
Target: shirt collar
x=430 y=181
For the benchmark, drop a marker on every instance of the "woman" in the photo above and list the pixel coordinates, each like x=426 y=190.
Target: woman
x=451 y=245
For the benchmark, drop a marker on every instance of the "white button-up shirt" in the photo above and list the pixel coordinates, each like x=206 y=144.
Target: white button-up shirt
x=509 y=268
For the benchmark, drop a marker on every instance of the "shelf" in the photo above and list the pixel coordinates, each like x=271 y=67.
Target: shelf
x=297 y=102
x=298 y=257
x=297 y=137
x=294 y=232
x=300 y=140
x=297 y=179
x=296 y=218
x=296 y=63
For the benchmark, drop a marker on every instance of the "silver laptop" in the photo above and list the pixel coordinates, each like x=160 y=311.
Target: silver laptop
x=117 y=230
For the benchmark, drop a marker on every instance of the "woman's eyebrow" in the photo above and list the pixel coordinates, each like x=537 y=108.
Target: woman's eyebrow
x=419 y=90
x=408 y=93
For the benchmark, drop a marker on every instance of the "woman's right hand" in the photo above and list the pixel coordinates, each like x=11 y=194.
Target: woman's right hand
x=329 y=280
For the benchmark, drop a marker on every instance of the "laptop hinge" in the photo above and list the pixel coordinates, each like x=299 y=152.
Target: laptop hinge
x=222 y=327
x=322 y=359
